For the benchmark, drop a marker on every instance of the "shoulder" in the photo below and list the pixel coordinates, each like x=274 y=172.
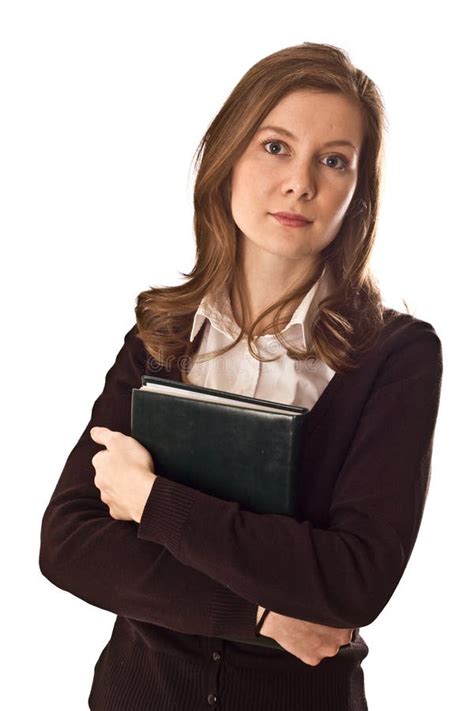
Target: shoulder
x=407 y=347
x=402 y=328
x=138 y=354
x=134 y=347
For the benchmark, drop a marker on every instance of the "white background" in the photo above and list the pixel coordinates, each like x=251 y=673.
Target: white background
x=103 y=105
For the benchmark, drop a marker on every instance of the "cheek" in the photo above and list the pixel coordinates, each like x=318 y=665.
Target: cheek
x=253 y=177
x=250 y=194
x=339 y=198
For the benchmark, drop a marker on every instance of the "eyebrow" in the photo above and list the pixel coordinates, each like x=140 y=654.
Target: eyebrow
x=285 y=132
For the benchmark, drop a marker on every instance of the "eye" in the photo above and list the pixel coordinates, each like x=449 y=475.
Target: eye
x=275 y=142
x=343 y=162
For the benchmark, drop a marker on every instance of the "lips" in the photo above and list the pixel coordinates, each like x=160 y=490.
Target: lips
x=290 y=221
x=293 y=216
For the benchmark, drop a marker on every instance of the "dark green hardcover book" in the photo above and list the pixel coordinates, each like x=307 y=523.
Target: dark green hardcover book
x=234 y=447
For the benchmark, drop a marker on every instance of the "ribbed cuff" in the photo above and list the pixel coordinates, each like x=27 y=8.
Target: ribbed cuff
x=165 y=513
x=232 y=615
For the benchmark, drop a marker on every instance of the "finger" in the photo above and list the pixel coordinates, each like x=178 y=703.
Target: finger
x=101 y=435
x=95 y=459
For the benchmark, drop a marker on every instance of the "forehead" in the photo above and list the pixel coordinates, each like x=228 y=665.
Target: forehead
x=313 y=114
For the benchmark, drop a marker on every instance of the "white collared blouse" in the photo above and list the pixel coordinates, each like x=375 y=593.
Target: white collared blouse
x=283 y=380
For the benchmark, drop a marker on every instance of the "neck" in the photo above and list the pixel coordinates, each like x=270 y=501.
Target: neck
x=265 y=278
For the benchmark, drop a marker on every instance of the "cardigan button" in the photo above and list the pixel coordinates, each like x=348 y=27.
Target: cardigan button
x=216 y=656
x=211 y=699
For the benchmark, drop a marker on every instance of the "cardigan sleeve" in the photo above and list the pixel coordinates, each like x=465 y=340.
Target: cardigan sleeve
x=86 y=552
x=342 y=575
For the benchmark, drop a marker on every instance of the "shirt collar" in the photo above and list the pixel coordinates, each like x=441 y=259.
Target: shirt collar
x=219 y=313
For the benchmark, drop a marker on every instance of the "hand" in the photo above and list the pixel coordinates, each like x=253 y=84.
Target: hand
x=124 y=473
x=309 y=641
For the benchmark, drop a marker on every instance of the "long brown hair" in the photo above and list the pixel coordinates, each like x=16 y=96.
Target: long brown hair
x=350 y=316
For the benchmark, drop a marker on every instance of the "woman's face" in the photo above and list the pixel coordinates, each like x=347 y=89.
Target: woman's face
x=299 y=173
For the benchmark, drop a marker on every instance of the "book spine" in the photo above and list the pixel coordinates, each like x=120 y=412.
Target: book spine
x=296 y=435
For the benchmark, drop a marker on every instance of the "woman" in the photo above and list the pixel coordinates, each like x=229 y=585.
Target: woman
x=293 y=309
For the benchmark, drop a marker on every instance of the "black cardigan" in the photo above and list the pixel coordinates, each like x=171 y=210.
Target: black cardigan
x=197 y=567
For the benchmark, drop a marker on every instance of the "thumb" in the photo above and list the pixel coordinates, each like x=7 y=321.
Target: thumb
x=101 y=435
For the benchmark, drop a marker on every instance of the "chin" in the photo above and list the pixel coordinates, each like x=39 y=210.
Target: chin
x=290 y=250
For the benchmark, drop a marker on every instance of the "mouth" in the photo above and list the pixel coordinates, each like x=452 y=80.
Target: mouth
x=291 y=221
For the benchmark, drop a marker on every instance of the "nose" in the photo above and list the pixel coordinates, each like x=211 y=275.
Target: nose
x=300 y=180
